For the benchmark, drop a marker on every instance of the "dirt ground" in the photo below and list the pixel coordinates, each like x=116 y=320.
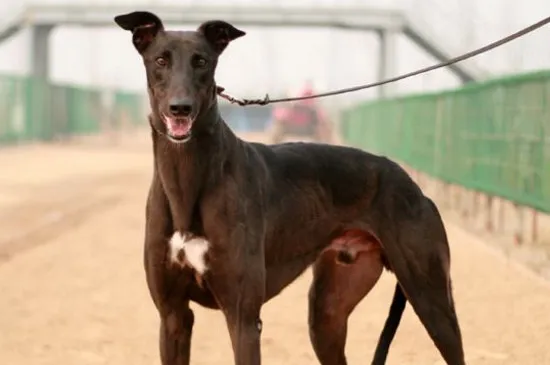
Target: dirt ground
x=72 y=287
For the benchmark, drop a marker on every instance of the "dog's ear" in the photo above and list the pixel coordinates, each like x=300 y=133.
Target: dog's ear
x=219 y=33
x=144 y=27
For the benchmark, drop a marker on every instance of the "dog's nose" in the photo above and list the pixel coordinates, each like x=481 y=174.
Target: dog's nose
x=180 y=107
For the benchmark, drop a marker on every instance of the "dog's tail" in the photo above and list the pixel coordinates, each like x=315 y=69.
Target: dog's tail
x=390 y=327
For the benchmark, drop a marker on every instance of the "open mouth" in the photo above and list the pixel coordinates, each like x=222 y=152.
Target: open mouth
x=178 y=129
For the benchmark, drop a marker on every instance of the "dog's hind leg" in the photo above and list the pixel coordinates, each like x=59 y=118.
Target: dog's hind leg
x=341 y=278
x=418 y=253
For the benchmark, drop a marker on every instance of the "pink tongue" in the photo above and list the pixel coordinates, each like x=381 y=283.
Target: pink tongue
x=179 y=129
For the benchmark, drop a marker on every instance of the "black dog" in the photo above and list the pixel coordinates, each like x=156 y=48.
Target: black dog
x=230 y=223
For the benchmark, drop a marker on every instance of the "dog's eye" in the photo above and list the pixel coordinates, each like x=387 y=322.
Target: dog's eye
x=199 y=62
x=161 y=61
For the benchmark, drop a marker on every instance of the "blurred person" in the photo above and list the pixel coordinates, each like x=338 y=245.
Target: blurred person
x=303 y=118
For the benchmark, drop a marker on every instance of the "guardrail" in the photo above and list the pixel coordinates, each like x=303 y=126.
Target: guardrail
x=492 y=137
x=32 y=109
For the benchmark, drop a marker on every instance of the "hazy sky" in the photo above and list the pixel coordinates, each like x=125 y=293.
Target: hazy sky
x=274 y=60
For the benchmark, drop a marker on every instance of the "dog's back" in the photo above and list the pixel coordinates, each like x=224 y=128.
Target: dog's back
x=314 y=189
x=345 y=175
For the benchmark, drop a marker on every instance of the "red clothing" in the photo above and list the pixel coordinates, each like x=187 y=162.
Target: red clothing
x=301 y=113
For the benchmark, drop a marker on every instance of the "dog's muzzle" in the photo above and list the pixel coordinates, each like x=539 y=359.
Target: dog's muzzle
x=178 y=129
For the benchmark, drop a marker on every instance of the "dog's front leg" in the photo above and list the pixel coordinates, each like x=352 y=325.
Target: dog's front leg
x=166 y=282
x=237 y=280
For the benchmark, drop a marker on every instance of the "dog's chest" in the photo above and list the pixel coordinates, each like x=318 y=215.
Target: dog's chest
x=189 y=250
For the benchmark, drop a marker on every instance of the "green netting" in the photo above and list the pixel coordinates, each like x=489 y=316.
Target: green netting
x=13 y=94
x=128 y=105
x=492 y=137
x=32 y=109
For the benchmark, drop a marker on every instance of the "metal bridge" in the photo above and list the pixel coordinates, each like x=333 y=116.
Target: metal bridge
x=387 y=23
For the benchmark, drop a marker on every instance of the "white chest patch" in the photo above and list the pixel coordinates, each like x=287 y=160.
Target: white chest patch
x=193 y=249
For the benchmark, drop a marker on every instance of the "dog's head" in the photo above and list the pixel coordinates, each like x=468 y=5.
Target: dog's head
x=180 y=67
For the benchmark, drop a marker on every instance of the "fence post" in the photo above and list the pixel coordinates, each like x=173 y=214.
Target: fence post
x=475 y=201
x=489 y=219
x=500 y=215
x=535 y=226
x=518 y=235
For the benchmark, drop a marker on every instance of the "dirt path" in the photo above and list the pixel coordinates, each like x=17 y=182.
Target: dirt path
x=72 y=287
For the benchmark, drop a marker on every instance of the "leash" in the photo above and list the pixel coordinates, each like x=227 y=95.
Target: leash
x=266 y=100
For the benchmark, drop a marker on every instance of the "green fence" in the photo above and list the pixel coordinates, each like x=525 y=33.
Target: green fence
x=31 y=109
x=492 y=137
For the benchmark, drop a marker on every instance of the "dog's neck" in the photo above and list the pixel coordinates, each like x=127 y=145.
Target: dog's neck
x=188 y=169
